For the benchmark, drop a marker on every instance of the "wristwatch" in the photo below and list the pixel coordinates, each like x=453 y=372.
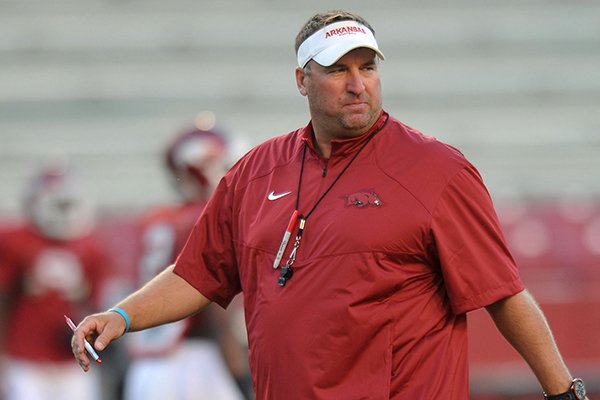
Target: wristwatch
x=576 y=392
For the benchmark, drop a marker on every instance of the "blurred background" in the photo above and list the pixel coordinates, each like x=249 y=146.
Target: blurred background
x=515 y=85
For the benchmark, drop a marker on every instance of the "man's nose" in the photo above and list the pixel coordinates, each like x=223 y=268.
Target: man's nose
x=355 y=83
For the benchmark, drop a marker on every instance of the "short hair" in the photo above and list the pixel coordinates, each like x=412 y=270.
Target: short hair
x=320 y=20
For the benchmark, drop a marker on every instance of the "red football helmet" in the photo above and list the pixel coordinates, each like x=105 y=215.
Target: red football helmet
x=55 y=206
x=197 y=159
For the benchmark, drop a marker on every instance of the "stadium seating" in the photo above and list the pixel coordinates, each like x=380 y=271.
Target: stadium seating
x=515 y=85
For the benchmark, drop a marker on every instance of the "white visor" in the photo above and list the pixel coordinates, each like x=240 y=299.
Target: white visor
x=330 y=43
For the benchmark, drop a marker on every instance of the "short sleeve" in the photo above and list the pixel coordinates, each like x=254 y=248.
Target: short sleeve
x=476 y=263
x=207 y=261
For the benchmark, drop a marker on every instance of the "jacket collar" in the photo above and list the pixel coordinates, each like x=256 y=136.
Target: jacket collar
x=343 y=147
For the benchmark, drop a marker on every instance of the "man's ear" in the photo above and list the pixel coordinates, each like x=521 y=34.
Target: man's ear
x=300 y=75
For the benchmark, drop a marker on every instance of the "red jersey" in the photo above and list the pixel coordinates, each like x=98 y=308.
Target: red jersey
x=42 y=280
x=400 y=247
x=162 y=234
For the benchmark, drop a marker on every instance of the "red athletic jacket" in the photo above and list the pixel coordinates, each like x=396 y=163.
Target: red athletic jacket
x=392 y=257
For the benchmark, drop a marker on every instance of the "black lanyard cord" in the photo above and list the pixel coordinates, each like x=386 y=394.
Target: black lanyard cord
x=287 y=271
x=301 y=174
x=337 y=178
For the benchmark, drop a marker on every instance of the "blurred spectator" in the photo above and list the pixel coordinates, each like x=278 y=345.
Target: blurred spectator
x=50 y=266
x=201 y=357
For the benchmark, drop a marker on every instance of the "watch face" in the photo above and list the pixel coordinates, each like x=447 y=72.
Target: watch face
x=579 y=389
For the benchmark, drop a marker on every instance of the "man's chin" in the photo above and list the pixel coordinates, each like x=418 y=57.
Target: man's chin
x=359 y=122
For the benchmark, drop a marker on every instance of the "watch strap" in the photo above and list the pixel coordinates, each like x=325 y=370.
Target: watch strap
x=563 y=396
x=576 y=392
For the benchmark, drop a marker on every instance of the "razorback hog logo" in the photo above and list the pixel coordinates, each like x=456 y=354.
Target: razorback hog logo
x=363 y=199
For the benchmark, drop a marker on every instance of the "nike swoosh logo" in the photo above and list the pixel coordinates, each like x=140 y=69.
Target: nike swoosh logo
x=272 y=196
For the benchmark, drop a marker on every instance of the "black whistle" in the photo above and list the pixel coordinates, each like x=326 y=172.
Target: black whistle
x=284 y=275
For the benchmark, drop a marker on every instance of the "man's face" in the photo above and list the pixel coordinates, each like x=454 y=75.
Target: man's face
x=344 y=98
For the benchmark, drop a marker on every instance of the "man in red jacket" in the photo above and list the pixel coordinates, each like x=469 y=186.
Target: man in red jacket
x=359 y=245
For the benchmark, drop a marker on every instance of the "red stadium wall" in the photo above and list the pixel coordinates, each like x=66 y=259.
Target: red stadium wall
x=557 y=246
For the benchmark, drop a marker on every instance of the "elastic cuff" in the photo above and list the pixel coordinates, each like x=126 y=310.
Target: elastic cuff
x=125 y=316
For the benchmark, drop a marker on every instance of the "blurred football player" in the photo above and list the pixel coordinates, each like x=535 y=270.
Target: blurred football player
x=50 y=266
x=201 y=357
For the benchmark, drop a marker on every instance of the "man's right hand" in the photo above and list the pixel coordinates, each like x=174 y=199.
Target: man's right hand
x=99 y=330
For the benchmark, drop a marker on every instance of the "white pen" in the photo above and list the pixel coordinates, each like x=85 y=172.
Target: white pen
x=86 y=344
x=286 y=239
